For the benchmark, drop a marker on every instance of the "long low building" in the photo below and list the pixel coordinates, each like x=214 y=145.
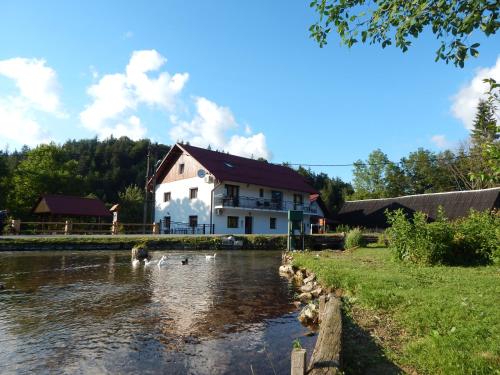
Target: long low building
x=370 y=213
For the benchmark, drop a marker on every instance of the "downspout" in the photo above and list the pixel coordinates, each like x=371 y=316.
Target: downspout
x=216 y=185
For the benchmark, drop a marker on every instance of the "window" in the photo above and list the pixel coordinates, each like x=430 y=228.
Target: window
x=181 y=168
x=193 y=193
x=261 y=193
x=166 y=196
x=272 y=223
x=232 y=221
x=232 y=191
x=229 y=165
x=193 y=221
x=298 y=199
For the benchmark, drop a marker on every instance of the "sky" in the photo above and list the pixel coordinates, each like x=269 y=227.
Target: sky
x=243 y=77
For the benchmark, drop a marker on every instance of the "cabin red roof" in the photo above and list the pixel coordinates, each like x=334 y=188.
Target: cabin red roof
x=70 y=206
x=227 y=167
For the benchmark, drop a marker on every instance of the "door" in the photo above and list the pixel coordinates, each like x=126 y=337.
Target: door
x=166 y=225
x=233 y=195
x=248 y=224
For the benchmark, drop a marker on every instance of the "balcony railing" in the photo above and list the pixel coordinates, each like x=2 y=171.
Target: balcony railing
x=261 y=204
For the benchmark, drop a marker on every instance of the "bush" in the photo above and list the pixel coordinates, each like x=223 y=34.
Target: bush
x=354 y=238
x=471 y=240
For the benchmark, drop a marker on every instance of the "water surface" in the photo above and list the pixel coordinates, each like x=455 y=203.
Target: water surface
x=92 y=312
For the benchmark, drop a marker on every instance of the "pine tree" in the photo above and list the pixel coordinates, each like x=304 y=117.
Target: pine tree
x=485 y=125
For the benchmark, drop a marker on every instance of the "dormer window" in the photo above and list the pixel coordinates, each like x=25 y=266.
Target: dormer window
x=181 y=168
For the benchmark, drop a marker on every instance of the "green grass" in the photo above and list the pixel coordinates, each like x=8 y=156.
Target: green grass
x=449 y=316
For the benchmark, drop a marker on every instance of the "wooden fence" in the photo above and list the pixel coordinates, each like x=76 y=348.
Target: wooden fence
x=68 y=227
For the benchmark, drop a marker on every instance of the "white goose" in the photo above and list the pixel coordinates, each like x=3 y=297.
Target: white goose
x=135 y=262
x=148 y=263
x=162 y=262
x=207 y=257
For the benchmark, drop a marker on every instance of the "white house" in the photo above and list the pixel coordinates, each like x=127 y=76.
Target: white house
x=204 y=191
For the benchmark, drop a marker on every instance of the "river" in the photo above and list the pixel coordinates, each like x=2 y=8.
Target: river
x=92 y=312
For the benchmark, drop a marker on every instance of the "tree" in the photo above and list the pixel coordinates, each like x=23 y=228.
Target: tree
x=388 y=22
x=485 y=124
x=485 y=150
x=131 y=204
x=376 y=178
x=334 y=193
x=4 y=180
x=424 y=174
x=45 y=170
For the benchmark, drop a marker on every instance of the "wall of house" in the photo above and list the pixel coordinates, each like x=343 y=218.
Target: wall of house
x=260 y=218
x=180 y=206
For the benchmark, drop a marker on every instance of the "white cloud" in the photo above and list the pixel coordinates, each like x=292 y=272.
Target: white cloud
x=441 y=142
x=128 y=34
x=17 y=124
x=115 y=96
x=465 y=101
x=36 y=82
x=211 y=125
x=38 y=94
x=132 y=128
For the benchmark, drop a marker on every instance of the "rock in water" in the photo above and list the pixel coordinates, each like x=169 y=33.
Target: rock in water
x=140 y=252
x=309 y=314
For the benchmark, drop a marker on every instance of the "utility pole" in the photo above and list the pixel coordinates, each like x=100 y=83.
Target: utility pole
x=145 y=215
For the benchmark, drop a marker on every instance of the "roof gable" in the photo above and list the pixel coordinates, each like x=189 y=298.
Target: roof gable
x=227 y=167
x=70 y=206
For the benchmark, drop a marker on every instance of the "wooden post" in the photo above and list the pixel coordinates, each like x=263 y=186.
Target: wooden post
x=322 y=302
x=156 y=228
x=298 y=362
x=326 y=359
x=68 y=226
x=16 y=226
x=114 y=227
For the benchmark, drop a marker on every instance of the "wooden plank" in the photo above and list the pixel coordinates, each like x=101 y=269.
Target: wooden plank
x=326 y=359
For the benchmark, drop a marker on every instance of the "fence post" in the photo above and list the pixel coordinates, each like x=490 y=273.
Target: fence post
x=68 y=226
x=156 y=228
x=16 y=226
x=298 y=362
x=114 y=227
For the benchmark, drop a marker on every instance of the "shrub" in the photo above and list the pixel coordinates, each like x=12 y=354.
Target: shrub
x=354 y=238
x=471 y=240
x=342 y=228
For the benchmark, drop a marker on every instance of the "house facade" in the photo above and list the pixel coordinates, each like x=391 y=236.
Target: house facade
x=203 y=191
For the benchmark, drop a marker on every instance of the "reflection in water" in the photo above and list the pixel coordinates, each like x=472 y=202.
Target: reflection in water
x=92 y=312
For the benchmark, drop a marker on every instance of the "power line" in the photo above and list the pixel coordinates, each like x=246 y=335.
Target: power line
x=367 y=164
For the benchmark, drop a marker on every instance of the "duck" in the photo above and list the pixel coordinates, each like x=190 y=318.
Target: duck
x=162 y=262
x=210 y=256
x=148 y=263
x=184 y=261
x=135 y=262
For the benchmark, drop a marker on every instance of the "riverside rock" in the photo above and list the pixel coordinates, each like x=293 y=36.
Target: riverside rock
x=317 y=292
x=305 y=297
x=310 y=278
x=309 y=314
x=286 y=269
x=307 y=288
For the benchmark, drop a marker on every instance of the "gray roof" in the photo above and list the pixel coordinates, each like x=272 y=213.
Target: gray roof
x=370 y=213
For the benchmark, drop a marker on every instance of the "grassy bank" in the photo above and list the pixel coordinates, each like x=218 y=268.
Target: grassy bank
x=435 y=320
x=164 y=242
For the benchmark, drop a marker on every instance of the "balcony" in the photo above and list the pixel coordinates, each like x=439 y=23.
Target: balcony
x=252 y=203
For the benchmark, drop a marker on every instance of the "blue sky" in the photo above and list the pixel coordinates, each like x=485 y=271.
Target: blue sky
x=242 y=76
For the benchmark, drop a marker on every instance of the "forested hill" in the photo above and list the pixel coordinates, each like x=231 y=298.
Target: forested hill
x=87 y=167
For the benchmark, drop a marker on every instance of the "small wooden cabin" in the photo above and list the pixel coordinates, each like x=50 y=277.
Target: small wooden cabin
x=64 y=206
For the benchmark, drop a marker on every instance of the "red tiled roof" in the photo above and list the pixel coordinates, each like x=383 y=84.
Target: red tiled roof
x=72 y=206
x=227 y=167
